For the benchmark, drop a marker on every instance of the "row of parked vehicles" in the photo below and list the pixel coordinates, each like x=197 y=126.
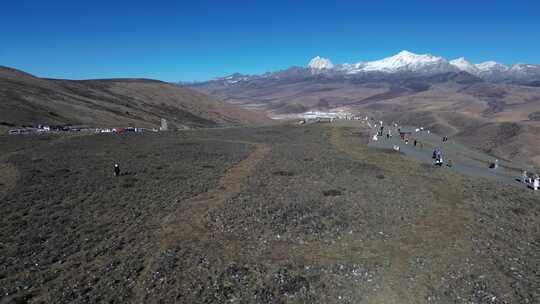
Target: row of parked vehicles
x=47 y=129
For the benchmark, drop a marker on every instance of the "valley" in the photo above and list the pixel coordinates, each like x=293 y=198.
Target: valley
x=490 y=108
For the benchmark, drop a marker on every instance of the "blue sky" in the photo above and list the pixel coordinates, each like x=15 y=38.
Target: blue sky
x=199 y=39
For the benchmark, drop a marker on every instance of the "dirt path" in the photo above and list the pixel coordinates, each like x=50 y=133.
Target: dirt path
x=190 y=222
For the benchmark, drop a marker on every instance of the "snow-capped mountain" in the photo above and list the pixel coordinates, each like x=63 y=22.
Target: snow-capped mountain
x=463 y=65
x=236 y=78
x=319 y=63
x=522 y=70
x=404 y=63
x=427 y=64
x=491 y=66
x=492 y=70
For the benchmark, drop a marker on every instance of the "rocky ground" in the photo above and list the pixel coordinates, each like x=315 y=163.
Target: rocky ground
x=281 y=214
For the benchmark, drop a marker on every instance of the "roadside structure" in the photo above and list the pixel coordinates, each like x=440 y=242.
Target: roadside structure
x=163 y=126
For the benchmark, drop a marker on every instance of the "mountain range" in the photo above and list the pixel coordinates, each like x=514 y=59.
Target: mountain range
x=406 y=62
x=489 y=105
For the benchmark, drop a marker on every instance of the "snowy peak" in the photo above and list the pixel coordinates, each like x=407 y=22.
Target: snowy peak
x=524 y=66
x=319 y=63
x=407 y=57
x=463 y=65
x=406 y=61
x=492 y=70
x=525 y=71
x=409 y=62
x=401 y=65
x=492 y=66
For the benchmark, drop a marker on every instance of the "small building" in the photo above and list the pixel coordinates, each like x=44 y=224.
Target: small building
x=320 y=116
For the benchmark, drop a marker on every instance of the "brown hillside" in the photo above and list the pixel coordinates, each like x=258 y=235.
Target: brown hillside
x=29 y=100
x=454 y=104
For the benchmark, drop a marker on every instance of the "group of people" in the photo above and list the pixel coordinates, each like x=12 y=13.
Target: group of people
x=381 y=130
x=531 y=182
x=438 y=157
x=415 y=141
x=404 y=136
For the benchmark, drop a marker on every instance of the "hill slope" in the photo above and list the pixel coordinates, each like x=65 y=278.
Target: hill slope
x=29 y=100
x=280 y=214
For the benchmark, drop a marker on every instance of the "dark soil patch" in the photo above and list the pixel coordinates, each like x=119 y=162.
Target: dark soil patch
x=332 y=192
x=519 y=211
x=283 y=173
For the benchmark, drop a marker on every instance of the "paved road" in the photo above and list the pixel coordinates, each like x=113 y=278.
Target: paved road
x=464 y=159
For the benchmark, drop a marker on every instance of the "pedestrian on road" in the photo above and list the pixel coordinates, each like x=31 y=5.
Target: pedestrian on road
x=116 y=170
x=440 y=159
x=524 y=177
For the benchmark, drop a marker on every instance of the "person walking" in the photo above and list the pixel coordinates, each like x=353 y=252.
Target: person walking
x=524 y=176
x=116 y=170
x=440 y=159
